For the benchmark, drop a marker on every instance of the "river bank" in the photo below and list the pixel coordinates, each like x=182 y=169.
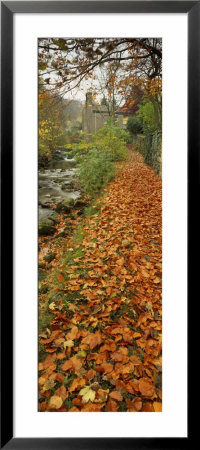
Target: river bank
x=60 y=206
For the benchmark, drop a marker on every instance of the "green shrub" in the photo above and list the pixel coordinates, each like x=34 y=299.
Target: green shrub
x=95 y=171
x=146 y=112
x=111 y=139
x=96 y=154
x=135 y=125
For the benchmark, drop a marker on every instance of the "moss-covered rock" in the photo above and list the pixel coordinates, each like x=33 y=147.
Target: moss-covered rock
x=80 y=204
x=54 y=218
x=42 y=288
x=65 y=205
x=50 y=257
x=62 y=234
x=46 y=228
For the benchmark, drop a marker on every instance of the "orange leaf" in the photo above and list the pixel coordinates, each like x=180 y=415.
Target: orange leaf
x=73 y=334
x=61 y=278
x=134 y=405
x=157 y=406
x=76 y=363
x=93 y=339
x=61 y=392
x=116 y=395
x=112 y=406
x=116 y=356
x=120 y=261
x=146 y=387
x=60 y=356
x=77 y=384
x=147 y=407
x=60 y=377
x=92 y=407
x=157 y=280
x=67 y=365
x=91 y=374
x=73 y=409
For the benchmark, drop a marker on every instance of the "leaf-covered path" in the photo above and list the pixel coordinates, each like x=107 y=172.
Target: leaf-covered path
x=103 y=352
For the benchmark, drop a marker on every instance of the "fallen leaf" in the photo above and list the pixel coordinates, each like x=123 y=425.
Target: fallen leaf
x=68 y=343
x=157 y=406
x=52 y=306
x=93 y=339
x=73 y=334
x=134 y=405
x=73 y=409
x=112 y=406
x=60 y=278
x=67 y=365
x=77 y=383
x=146 y=387
x=55 y=402
x=61 y=392
x=116 y=395
x=87 y=394
x=49 y=384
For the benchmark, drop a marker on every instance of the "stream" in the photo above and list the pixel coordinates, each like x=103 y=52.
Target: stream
x=56 y=183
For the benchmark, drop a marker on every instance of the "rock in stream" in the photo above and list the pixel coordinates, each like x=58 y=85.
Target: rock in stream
x=56 y=184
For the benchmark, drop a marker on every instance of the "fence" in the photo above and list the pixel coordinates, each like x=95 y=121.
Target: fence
x=150 y=146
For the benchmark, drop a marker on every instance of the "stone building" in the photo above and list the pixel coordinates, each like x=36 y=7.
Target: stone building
x=95 y=116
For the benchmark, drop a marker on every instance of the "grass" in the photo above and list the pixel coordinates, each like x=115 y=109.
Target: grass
x=92 y=209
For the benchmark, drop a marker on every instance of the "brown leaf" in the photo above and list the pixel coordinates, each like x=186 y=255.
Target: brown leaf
x=112 y=406
x=59 y=377
x=116 y=356
x=92 y=407
x=73 y=334
x=53 y=336
x=116 y=395
x=67 y=365
x=157 y=406
x=77 y=383
x=147 y=407
x=61 y=392
x=93 y=339
x=102 y=395
x=146 y=387
x=73 y=409
x=60 y=356
x=134 y=405
x=91 y=374
x=76 y=363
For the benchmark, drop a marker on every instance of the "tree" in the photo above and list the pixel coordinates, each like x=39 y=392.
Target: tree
x=65 y=63
x=135 y=125
x=51 y=124
x=146 y=113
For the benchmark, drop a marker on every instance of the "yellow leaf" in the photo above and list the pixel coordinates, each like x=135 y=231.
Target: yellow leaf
x=149 y=306
x=52 y=306
x=81 y=354
x=87 y=394
x=68 y=343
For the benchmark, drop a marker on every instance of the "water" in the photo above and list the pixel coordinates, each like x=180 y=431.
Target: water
x=56 y=183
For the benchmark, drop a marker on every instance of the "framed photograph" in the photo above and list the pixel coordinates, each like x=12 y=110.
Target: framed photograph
x=100 y=170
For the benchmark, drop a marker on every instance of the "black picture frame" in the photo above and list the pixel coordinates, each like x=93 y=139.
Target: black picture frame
x=8 y=9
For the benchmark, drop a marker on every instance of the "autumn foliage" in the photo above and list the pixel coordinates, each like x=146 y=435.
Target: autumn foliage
x=102 y=350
